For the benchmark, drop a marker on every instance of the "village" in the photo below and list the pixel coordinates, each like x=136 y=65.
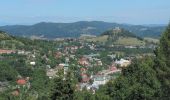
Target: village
x=92 y=64
x=85 y=50
x=86 y=65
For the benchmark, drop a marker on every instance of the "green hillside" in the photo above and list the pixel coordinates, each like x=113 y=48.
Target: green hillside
x=97 y=39
x=151 y=40
x=129 y=41
x=4 y=36
x=8 y=42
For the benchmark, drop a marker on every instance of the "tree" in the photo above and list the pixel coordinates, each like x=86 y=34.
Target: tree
x=137 y=82
x=63 y=87
x=7 y=73
x=40 y=82
x=162 y=63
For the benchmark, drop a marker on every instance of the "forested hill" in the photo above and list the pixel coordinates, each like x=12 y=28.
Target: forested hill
x=117 y=36
x=9 y=42
x=55 y=30
x=4 y=36
x=119 y=32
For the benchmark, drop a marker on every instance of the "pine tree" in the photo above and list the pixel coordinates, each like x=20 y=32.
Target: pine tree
x=63 y=88
x=137 y=82
x=162 y=63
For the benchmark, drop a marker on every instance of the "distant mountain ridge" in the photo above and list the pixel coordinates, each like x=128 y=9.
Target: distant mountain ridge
x=57 y=30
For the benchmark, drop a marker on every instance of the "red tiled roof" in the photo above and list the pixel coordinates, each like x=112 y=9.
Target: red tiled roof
x=21 y=82
x=113 y=68
x=83 y=69
x=6 y=51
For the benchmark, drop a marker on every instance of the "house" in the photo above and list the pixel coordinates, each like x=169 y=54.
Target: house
x=82 y=86
x=91 y=47
x=131 y=47
x=58 y=54
x=21 y=52
x=83 y=70
x=100 y=80
x=21 y=81
x=23 y=84
x=99 y=62
x=85 y=78
x=72 y=56
x=32 y=63
x=123 y=62
x=72 y=49
x=2 y=51
x=83 y=61
x=51 y=72
x=64 y=66
x=67 y=59
x=111 y=70
x=27 y=52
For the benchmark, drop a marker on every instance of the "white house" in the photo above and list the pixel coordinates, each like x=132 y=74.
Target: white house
x=32 y=63
x=64 y=66
x=123 y=62
x=100 y=80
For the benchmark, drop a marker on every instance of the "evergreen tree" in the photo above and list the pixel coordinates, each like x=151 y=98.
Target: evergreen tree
x=162 y=64
x=137 y=82
x=7 y=73
x=40 y=82
x=63 y=87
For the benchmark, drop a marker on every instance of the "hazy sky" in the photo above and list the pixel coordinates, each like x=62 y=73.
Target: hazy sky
x=121 y=11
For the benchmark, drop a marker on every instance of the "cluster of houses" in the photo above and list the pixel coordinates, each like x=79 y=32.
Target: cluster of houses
x=84 y=62
x=29 y=54
x=103 y=76
x=90 y=82
x=90 y=60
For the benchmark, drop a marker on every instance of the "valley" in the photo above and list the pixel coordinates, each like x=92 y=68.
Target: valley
x=88 y=62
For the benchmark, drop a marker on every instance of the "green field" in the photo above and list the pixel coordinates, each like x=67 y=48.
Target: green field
x=98 y=39
x=130 y=41
x=120 y=41
x=151 y=40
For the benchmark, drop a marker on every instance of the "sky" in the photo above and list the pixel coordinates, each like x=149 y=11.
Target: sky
x=120 y=11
